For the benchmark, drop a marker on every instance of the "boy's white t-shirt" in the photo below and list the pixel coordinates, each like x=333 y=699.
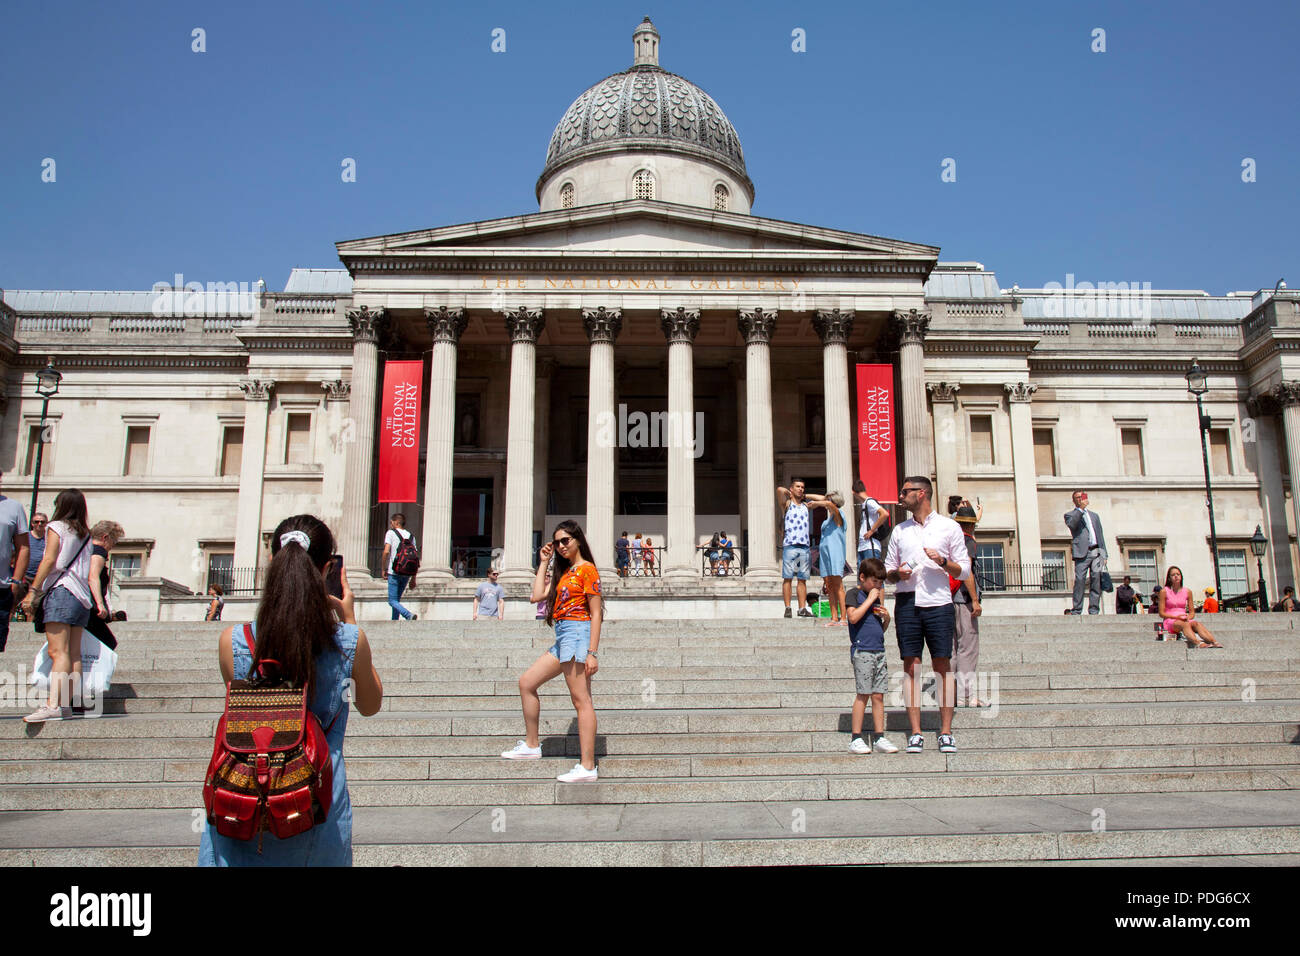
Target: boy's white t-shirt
x=394 y=542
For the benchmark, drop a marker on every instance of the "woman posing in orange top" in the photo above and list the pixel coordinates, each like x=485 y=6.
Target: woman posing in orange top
x=574 y=610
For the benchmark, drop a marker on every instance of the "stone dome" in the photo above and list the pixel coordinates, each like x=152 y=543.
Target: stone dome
x=646 y=108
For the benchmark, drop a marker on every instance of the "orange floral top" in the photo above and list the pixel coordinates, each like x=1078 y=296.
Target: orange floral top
x=571 y=594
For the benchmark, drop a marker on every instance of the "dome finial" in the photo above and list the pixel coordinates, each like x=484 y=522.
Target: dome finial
x=645 y=44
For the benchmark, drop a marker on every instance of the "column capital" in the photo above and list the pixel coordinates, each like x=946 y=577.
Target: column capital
x=337 y=390
x=680 y=324
x=257 y=390
x=602 y=324
x=911 y=326
x=445 y=325
x=367 y=323
x=1020 y=391
x=833 y=326
x=1285 y=394
x=943 y=393
x=524 y=324
x=757 y=325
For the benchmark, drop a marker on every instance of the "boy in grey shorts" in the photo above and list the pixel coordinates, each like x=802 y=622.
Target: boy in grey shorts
x=868 y=619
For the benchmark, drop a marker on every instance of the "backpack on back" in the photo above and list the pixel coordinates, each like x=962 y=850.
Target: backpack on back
x=406 y=561
x=881 y=534
x=271 y=767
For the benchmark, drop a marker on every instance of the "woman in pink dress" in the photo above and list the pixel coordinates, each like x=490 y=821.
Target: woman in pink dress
x=1179 y=613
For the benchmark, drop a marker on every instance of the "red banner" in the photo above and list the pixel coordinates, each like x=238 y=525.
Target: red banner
x=399 y=431
x=877 y=459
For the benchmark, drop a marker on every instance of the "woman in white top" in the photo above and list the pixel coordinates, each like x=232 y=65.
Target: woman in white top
x=65 y=569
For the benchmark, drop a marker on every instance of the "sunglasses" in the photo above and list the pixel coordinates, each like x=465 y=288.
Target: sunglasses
x=908 y=491
x=563 y=542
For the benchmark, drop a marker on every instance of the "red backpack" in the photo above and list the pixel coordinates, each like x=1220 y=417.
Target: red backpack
x=271 y=766
x=406 y=560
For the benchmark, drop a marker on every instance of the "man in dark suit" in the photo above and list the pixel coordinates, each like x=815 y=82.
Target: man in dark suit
x=1089 y=551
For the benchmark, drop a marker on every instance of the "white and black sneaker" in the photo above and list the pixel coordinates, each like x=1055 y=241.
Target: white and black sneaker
x=915 y=744
x=787 y=611
x=946 y=744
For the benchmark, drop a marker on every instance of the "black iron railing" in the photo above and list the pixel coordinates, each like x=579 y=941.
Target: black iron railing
x=236 y=580
x=1013 y=576
x=641 y=562
x=721 y=562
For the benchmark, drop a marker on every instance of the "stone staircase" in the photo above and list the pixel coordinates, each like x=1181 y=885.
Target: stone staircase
x=718 y=744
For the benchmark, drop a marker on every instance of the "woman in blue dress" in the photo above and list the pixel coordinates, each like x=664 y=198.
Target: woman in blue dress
x=831 y=552
x=315 y=639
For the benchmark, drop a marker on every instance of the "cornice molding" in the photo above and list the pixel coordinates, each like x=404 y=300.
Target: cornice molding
x=688 y=264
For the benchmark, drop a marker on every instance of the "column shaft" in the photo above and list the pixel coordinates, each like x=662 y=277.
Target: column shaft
x=603 y=326
x=758 y=327
x=248 y=519
x=918 y=444
x=834 y=328
x=1291 y=425
x=523 y=326
x=680 y=327
x=354 y=532
x=944 y=395
x=1028 y=532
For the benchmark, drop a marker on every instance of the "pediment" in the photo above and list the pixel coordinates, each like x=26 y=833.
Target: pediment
x=638 y=226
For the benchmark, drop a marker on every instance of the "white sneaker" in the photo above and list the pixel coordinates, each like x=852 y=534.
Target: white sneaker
x=42 y=714
x=579 y=774
x=859 y=746
x=883 y=745
x=521 y=751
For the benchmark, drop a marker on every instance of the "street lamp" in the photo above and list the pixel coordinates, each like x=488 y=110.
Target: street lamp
x=1257 y=545
x=47 y=386
x=1196 y=385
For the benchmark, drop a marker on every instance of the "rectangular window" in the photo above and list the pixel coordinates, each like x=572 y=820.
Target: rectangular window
x=1220 y=461
x=1232 y=573
x=137 y=449
x=1142 y=569
x=1044 y=451
x=990 y=567
x=232 y=450
x=1131 y=440
x=297 y=450
x=221 y=570
x=125 y=564
x=33 y=444
x=1054 y=571
x=981 y=439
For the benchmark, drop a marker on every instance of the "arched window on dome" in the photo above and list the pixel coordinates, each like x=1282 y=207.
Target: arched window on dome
x=721 y=198
x=643 y=184
x=566 y=196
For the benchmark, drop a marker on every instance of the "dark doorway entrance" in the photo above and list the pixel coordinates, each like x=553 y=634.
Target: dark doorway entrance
x=471 y=526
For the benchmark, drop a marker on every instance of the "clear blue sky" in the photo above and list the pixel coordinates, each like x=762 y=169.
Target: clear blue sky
x=225 y=165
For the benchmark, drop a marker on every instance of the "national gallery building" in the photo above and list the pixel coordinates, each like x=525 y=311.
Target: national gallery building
x=643 y=353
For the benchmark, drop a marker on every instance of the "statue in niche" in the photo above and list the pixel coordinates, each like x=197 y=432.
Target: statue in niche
x=467 y=414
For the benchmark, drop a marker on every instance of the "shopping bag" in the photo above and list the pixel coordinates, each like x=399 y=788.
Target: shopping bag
x=97 y=666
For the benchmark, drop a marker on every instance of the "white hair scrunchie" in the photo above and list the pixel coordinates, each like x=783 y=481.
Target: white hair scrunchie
x=299 y=536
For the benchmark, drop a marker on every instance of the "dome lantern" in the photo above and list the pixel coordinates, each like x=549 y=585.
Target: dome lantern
x=645 y=44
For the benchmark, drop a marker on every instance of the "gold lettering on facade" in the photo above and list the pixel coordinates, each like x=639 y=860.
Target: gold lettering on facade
x=642 y=282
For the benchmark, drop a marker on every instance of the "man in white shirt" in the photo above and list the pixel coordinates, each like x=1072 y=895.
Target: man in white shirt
x=873 y=516
x=397 y=583
x=923 y=552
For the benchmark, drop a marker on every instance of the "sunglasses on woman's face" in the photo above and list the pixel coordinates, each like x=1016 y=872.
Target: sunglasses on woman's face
x=563 y=542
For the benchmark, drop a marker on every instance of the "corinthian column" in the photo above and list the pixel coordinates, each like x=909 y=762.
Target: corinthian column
x=603 y=326
x=757 y=326
x=680 y=327
x=524 y=325
x=944 y=409
x=445 y=326
x=1028 y=532
x=834 y=328
x=1287 y=395
x=918 y=447
x=358 y=492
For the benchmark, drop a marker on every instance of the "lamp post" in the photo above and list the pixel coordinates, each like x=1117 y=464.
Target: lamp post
x=1258 y=543
x=1196 y=385
x=47 y=386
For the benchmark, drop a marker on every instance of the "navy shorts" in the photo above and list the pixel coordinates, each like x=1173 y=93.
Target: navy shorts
x=921 y=627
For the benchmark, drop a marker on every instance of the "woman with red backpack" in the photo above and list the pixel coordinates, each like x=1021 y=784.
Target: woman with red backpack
x=303 y=636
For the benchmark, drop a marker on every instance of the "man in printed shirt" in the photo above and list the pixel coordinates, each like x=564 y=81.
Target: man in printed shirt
x=923 y=551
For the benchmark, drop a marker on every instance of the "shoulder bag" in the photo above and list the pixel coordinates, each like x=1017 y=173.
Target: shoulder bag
x=38 y=602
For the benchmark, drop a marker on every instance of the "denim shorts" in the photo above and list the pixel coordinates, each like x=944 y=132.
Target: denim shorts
x=794 y=562
x=919 y=627
x=61 y=607
x=572 y=641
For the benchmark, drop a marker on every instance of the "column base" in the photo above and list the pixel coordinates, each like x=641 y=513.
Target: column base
x=681 y=574
x=763 y=575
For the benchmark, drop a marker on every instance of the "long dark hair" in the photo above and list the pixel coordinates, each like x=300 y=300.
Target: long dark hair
x=294 y=620
x=1169 y=577
x=715 y=541
x=70 y=507
x=561 y=564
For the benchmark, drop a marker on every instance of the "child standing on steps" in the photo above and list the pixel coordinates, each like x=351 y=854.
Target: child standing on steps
x=867 y=618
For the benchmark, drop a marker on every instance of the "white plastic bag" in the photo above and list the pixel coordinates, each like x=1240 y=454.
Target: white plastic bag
x=97 y=666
